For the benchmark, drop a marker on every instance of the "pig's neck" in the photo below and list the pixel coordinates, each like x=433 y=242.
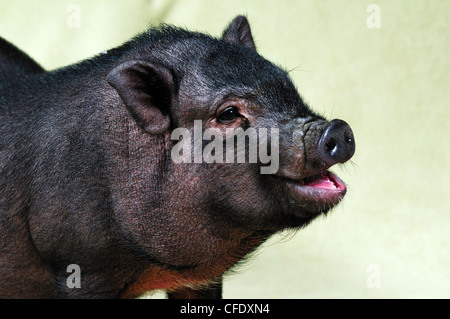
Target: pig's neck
x=185 y=245
x=157 y=277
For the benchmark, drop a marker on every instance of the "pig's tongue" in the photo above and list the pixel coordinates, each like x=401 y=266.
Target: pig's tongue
x=323 y=181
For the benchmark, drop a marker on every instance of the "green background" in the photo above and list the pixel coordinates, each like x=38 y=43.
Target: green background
x=390 y=237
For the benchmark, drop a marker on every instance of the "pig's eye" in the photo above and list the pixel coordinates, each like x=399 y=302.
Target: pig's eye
x=228 y=115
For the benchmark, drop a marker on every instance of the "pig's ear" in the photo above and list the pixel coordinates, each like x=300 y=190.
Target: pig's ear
x=146 y=90
x=238 y=32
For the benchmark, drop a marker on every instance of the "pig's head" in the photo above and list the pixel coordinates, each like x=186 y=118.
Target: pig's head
x=224 y=83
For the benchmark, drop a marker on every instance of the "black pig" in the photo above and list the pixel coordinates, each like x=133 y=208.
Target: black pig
x=87 y=178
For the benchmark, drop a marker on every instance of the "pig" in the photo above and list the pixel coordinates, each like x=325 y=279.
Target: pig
x=92 y=204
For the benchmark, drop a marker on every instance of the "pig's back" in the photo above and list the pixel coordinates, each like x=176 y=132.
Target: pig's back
x=15 y=63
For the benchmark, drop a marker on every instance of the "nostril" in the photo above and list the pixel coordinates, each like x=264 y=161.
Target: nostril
x=331 y=146
x=348 y=137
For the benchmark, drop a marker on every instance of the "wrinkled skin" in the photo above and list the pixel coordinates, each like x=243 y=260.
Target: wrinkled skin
x=87 y=176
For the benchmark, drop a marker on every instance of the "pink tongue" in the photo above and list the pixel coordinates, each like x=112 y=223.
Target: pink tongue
x=322 y=182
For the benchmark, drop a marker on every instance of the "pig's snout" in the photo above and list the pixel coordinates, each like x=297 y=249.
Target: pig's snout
x=337 y=143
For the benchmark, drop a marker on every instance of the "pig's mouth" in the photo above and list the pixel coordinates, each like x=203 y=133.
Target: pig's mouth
x=324 y=181
x=317 y=193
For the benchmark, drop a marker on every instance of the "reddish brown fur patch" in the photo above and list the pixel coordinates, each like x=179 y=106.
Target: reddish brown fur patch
x=158 y=277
